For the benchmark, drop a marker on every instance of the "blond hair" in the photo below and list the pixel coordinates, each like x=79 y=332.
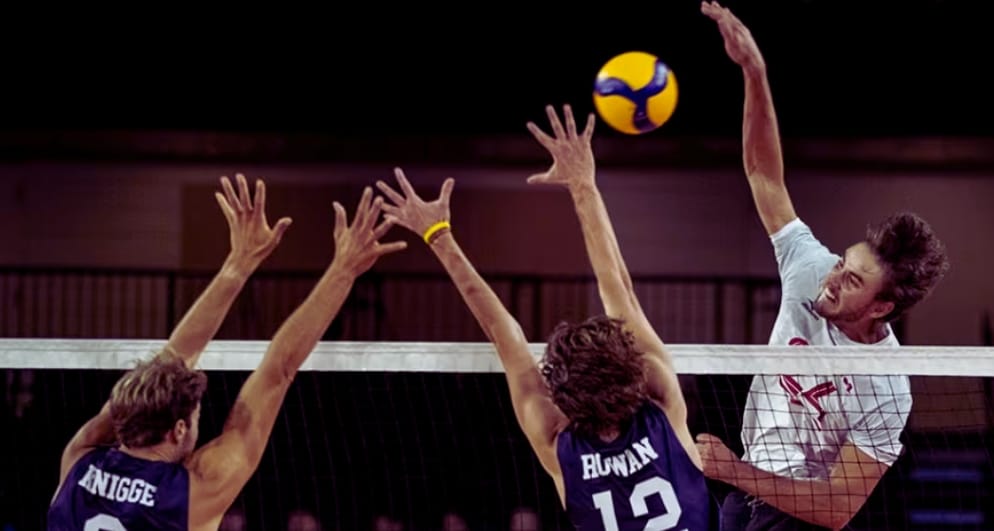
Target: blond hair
x=148 y=400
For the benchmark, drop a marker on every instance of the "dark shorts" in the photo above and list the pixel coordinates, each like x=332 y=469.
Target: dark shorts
x=742 y=512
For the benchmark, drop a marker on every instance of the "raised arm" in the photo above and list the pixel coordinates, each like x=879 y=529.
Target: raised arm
x=252 y=240
x=761 y=149
x=537 y=415
x=221 y=468
x=573 y=167
x=829 y=503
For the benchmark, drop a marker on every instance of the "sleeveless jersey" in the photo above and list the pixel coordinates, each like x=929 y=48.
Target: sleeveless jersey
x=643 y=480
x=109 y=490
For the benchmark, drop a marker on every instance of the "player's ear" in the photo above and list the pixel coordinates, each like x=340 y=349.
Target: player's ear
x=881 y=309
x=179 y=430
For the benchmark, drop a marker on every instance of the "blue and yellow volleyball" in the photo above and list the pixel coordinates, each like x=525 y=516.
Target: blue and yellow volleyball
x=635 y=92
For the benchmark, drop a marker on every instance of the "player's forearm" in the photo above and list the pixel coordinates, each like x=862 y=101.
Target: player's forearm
x=300 y=333
x=819 y=502
x=761 y=151
x=613 y=279
x=202 y=321
x=497 y=323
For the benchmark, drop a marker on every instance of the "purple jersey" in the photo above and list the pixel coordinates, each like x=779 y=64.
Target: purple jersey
x=109 y=490
x=643 y=480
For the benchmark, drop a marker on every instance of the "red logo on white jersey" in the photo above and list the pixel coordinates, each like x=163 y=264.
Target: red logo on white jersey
x=808 y=398
x=797 y=341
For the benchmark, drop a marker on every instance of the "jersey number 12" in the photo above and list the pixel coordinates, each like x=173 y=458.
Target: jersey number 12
x=642 y=491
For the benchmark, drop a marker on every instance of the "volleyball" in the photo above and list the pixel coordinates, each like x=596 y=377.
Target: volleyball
x=635 y=92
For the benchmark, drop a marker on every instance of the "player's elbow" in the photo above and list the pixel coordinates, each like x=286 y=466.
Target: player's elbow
x=275 y=371
x=757 y=177
x=835 y=523
x=507 y=333
x=620 y=300
x=841 y=512
x=623 y=292
x=829 y=519
x=288 y=371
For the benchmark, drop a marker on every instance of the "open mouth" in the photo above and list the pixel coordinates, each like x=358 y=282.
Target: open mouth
x=829 y=296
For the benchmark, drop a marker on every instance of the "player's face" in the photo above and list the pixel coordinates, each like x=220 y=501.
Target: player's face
x=849 y=292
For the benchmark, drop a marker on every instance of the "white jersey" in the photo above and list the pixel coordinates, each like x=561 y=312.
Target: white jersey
x=795 y=425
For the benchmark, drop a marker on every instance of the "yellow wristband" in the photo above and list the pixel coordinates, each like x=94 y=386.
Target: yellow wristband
x=435 y=228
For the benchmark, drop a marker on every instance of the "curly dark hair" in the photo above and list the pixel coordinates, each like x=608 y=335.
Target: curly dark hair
x=595 y=373
x=148 y=400
x=913 y=257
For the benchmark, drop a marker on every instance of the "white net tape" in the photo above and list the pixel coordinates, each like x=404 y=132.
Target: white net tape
x=349 y=356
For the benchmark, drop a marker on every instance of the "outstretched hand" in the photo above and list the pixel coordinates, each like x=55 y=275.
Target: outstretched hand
x=357 y=247
x=739 y=44
x=412 y=212
x=572 y=155
x=251 y=237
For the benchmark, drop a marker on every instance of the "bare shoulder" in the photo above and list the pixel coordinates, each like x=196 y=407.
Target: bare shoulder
x=71 y=457
x=543 y=423
x=676 y=415
x=664 y=386
x=217 y=475
x=551 y=464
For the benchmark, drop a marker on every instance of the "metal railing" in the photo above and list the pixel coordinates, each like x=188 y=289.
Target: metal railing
x=146 y=303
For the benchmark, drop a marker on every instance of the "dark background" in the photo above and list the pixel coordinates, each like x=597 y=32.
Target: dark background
x=839 y=67
x=350 y=446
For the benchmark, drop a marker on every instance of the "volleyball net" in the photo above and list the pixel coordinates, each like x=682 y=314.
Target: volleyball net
x=408 y=433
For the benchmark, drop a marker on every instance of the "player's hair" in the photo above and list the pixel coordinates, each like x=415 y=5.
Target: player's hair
x=148 y=400
x=595 y=374
x=913 y=257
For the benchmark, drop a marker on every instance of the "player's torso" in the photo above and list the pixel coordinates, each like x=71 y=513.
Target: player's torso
x=108 y=490
x=795 y=425
x=642 y=480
